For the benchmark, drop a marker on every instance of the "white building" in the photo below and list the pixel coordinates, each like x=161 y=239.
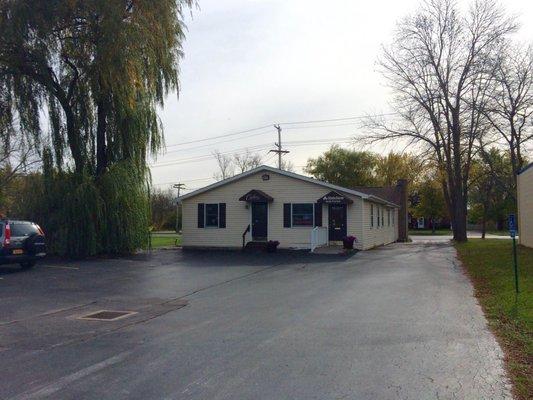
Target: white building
x=300 y=212
x=525 y=206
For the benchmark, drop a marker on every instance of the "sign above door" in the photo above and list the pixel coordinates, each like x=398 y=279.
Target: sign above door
x=334 y=198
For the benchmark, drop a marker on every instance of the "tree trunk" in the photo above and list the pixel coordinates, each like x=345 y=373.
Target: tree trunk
x=74 y=139
x=101 y=147
x=458 y=215
x=458 y=195
x=459 y=225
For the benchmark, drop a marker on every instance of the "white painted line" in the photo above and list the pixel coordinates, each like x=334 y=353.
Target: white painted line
x=69 y=379
x=59 y=267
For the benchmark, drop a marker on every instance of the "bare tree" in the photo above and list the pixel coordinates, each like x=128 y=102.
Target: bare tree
x=226 y=169
x=510 y=108
x=247 y=161
x=287 y=165
x=437 y=69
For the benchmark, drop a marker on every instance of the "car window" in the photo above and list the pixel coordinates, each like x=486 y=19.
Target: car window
x=18 y=230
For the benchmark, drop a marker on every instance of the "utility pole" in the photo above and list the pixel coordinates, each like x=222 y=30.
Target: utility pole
x=178 y=186
x=279 y=149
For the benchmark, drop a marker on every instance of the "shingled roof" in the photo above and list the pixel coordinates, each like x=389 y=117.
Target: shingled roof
x=389 y=193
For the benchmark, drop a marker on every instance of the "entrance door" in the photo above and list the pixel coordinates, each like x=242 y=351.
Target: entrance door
x=259 y=221
x=337 y=222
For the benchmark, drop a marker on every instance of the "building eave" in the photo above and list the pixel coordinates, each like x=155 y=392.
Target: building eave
x=288 y=174
x=525 y=168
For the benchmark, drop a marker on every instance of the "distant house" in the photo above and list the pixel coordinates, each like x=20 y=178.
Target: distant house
x=427 y=223
x=525 y=205
x=300 y=212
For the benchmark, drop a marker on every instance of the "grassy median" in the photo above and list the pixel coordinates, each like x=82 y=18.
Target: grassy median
x=429 y=232
x=490 y=265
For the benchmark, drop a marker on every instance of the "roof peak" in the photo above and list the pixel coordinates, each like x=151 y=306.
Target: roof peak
x=285 y=173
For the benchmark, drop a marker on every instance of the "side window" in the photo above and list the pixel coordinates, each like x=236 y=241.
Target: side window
x=371 y=215
x=393 y=212
x=378 y=217
x=382 y=217
x=211 y=215
x=302 y=214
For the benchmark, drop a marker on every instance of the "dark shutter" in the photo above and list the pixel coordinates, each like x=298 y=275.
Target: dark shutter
x=318 y=214
x=201 y=215
x=287 y=215
x=222 y=215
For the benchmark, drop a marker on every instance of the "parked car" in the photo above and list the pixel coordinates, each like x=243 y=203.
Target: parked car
x=22 y=242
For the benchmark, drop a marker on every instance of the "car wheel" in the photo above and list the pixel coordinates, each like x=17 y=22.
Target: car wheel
x=27 y=264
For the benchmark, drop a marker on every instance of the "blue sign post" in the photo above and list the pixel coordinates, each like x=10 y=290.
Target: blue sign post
x=512 y=233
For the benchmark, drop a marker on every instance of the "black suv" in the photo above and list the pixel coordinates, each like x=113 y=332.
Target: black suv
x=22 y=242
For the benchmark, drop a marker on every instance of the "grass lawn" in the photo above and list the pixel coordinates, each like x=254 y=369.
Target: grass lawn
x=165 y=240
x=428 y=232
x=490 y=265
x=498 y=233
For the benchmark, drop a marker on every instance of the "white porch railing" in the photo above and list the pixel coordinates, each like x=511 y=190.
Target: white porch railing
x=319 y=237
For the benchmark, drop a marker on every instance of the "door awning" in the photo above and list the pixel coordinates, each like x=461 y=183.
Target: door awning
x=334 y=198
x=256 y=196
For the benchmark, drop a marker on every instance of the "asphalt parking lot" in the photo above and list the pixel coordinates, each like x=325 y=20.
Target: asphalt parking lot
x=399 y=322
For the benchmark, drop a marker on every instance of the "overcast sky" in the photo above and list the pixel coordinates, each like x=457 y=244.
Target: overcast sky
x=252 y=63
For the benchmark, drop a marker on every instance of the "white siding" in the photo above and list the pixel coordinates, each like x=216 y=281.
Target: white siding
x=378 y=235
x=283 y=189
x=525 y=207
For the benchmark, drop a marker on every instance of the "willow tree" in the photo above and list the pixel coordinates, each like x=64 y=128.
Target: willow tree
x=82 y=80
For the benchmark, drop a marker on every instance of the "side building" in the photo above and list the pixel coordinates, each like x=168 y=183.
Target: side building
x=270 y=204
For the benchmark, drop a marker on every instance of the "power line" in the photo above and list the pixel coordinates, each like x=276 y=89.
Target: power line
x=241 y=150
x=321 y=126
x=293 y=142
x=336 y=119
x=256 y=134
x=269 y=158
x=280 y=124
x=212 y=144
x=220 y=136
x=186 y=180
x=244 y=149
x=251 y=148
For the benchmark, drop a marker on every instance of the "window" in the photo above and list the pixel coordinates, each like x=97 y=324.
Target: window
x=211 y=215
x=393 y=212
x=378 y=217
x=382 y=217
x=20 y=230
x=371 y=215
x=388 y=217
x=302 y=214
